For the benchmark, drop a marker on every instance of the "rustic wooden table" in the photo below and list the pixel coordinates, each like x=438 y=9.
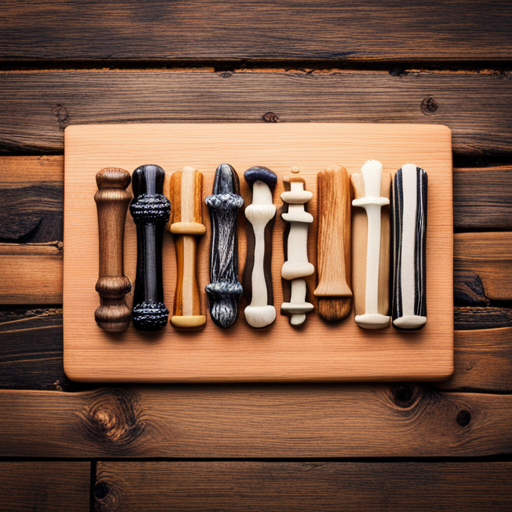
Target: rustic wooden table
x=65 y=446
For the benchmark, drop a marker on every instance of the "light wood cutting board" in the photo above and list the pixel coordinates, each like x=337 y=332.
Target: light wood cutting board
x=315 y=352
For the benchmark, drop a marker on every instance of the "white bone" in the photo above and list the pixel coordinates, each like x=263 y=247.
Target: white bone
x=297 y=306
x=372 y=203
x=297 y=264
x=262 y=210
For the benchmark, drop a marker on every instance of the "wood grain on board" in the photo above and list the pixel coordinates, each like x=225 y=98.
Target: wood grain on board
x=212 y=421
x=45 y=485
x=319 y=351
x=476 y=106
x=233 y=30
x=292 y=486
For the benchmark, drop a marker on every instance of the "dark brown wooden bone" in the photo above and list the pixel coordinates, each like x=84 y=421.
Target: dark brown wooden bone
x=112 y=201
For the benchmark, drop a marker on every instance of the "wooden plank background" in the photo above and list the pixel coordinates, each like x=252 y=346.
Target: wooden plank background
x=44 y=485
x=283 y=29
x=289 y=486
x=336 y=61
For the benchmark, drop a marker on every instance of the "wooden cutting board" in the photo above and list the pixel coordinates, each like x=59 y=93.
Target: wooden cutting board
x=315 y=352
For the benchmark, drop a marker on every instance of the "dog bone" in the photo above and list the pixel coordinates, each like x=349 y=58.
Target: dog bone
x=333 y=291
x=224 y=291
x=185 y=192
x=112 y=201
x=260 y=213
x=297 y=265
x=409 y=305
x=372 y=194
x=150 y=211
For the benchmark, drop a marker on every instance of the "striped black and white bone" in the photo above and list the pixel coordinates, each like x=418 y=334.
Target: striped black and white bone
x=297 y=266
x=261 y=312
x=409 y=301
x=224 y=291
x=150 y=210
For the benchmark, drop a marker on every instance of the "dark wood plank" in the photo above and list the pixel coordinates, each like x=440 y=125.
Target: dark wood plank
x=476 y=106
x=482 y=199
x=483 y=360
x=31 y=195
x=482 y=317
x=31 y=349
x=45 y=486
x=201 y=30
x=255 y=421
x=488 y=256
x=292 y=486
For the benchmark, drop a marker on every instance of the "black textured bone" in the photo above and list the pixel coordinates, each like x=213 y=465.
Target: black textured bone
x=150 y=210
x=224 y=290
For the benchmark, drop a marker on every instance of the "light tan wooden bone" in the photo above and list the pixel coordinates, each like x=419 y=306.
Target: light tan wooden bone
x=184 y=190
x=334 y=291
x=371 y=245
x=297 y=265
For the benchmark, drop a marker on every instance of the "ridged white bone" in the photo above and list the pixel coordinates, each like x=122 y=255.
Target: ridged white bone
x=297 y=264
x=372 y=202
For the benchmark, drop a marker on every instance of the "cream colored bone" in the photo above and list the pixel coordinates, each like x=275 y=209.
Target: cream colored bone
x=297 y=307
x=297 y=264
x=259 y=214
x=372 y=202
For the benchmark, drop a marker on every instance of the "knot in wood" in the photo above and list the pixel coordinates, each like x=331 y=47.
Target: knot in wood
x=463 y=418
x=115 y=417
x=101 y=490
x=270 y=117
x=62 y=115
x=429 y=106
x=404 y=395
x=108 y=493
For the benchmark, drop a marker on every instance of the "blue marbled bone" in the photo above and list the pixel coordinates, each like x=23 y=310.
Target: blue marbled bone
x=224 y=291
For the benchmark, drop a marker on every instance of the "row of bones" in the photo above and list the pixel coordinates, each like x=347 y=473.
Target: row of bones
x=150 y=210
